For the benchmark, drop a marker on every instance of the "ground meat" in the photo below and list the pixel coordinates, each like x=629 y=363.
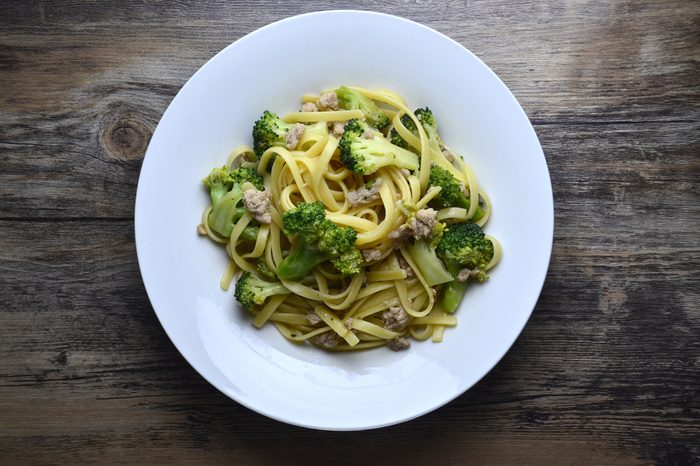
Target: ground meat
x=405 y=173
x=258 y=203
x=465 y=274
x=347 y=323
x=312 y=318
x=399 y=344
x=426 y=217
x=327 y=340
x=371 y=254
x=363 y=195
x=407 y=268
x=309 y=107
x=201 y=230
x=294 y=135
x=400 y=233
x=395 y=318
x=328 y=101
x=337 y=128
x=422 y=223
x=419 y=226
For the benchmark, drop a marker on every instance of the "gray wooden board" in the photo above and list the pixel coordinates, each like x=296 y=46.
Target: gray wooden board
x=606 y=370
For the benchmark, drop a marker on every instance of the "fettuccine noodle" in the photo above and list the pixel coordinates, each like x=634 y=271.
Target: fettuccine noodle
x=389 y=300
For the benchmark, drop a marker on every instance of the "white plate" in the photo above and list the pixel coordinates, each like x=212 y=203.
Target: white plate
x=270 y=69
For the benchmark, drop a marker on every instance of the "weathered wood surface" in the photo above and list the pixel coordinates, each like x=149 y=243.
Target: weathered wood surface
x=607 y=370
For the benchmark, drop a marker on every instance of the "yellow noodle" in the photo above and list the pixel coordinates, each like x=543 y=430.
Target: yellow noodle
x=440 y=319
x=227 y=277
x=385 y=275
x=336 y=325
x=486 y=208
x=438 y=333
x=420 y=332
x=310 y=117
x=267 y=310
x=240 y=154
x=353 y=308
x=452 y=213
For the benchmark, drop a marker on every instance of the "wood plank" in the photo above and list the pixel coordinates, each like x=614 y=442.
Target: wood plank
x=562 y=61
x=82 y=98
x=596 y=365
x=607 y=370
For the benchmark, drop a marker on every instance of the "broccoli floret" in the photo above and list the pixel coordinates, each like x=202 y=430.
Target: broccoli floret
x=353 y=100
x=248 y=175
x=451 y=193
x=305 y=220
x=319 y=240
x=366 y=156
x=397 y=140
x=426 y=118
x=269 y=131
x=218 y=182
x=252 y=290
x=226 y=194
x=463 y=245
x=466 y=244
x=424 y=256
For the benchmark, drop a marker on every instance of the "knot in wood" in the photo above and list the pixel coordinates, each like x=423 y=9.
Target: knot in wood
x=125 y=138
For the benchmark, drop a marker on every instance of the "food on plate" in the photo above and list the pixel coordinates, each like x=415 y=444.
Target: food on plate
x=350 y=223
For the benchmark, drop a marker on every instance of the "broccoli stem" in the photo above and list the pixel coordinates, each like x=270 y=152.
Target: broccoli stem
x=250 y=233
x=300 y=262
x=430 y=266
x=238 y=213
x=222 y=216
x=380 y=153
x=453 y=292
x=273 y=289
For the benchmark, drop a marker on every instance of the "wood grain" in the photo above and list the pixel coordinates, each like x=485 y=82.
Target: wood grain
x=607 y=370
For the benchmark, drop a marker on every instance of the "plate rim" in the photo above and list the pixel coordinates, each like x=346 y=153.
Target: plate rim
x=140 y=253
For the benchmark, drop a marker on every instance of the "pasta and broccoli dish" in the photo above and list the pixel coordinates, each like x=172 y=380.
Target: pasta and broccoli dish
x=350 y=224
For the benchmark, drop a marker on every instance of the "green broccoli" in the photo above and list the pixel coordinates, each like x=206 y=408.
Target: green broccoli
x=397 y=140
x=427 y=120
x=250 y=175
x=366 y=156
x=424 y=256
x=250 y=233
x=423 y=251
x=252 y=290
x=463 y=246
x=269 y=131
x=451 y=194
x=226 y=193
x=353 y=100
x=263 y=269
x=319 y=240
x=219 y=182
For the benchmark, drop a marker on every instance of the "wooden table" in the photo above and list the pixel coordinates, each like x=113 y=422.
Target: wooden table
x=607 y=370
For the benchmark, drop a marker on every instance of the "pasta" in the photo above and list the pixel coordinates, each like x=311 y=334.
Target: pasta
x=406 y=214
